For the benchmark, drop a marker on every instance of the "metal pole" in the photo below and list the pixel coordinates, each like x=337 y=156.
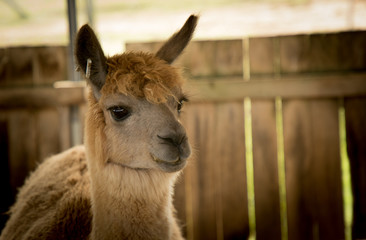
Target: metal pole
x=90 y=11
x=75 y=126
x=71 y=11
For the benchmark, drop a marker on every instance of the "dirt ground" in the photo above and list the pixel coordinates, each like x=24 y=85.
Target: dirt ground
x=117 y=24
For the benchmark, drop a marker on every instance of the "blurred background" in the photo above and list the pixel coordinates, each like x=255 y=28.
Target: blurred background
x=41 y=22
x=276 y=118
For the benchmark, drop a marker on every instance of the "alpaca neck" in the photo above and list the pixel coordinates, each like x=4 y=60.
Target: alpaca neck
x=131 y=204
x=126 y=203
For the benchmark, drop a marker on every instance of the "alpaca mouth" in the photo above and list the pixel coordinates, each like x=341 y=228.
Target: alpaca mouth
x=158 y=160
x=170 y=166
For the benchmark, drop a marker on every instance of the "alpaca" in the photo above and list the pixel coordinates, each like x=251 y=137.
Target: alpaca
x=120 y=184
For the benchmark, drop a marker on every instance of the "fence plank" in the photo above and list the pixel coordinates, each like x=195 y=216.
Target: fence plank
x=323 y=52
x=230 y=147
x=212 y=90
x=48 y=129
x=50 y=64
x=287 y=87
x=213 y=58
x=261 y=53
x=201 y=172
x=217 y=178
x=41 y=97
x=313 y=175
x=24 y=65
x=22 y=135
x=65 y=138
x=266 y=182
x=355 y=109
x=17 y=69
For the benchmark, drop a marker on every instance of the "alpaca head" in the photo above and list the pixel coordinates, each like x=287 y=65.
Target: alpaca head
x=135 y=102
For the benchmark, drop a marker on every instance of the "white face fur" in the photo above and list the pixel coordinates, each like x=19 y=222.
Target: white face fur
x=143 y=135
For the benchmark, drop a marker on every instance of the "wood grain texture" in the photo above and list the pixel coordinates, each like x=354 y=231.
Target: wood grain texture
x=200 y=124
x=217 y=175
x=262 y=55
x=355 y=109
x=41 y=97
x=266 y=182
x=230 y=147
x=327 y=52
x=65 y=134
x=23 y=146
x=33 y=65
x=316 y=86
x=48 y=132
x=313 y=175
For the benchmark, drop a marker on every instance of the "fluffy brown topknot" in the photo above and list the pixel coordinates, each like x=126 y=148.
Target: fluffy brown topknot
x=142 y=75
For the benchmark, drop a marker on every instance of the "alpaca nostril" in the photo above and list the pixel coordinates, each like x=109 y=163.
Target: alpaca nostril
x=174 y=140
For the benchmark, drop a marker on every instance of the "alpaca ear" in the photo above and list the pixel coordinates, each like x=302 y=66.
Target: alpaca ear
x=88 y=47
x=176 y=43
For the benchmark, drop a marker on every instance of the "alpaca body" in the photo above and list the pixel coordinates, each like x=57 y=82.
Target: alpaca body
x=55 y=202
x=61 y=204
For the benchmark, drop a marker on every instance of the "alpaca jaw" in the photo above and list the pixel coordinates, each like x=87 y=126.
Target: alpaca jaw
x=167 y=166
x=170 y=166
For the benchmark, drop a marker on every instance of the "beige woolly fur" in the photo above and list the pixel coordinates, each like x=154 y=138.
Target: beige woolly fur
x=143 y=75
x=120 y=184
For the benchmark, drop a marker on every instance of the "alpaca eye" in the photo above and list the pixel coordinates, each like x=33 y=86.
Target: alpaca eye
x=180 y=104
x=179 y=107
x=119 y=113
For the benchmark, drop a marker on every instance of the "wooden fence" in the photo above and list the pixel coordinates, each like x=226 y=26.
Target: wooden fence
x=264 y=123
x=34 y=116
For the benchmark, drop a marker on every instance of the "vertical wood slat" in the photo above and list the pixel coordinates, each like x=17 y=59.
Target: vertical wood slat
x=355 y=110
x=212 y=58
x=323 y=52
x=217 y=176
x=313 y=175
x=230 y=142
x=200 y=124
x=64 y=134
x=266 y=182
x=262 y=58
x=22 y=135
x=48 y=131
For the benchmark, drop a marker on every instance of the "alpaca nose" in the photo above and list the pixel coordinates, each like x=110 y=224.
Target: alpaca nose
x=173 y=139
